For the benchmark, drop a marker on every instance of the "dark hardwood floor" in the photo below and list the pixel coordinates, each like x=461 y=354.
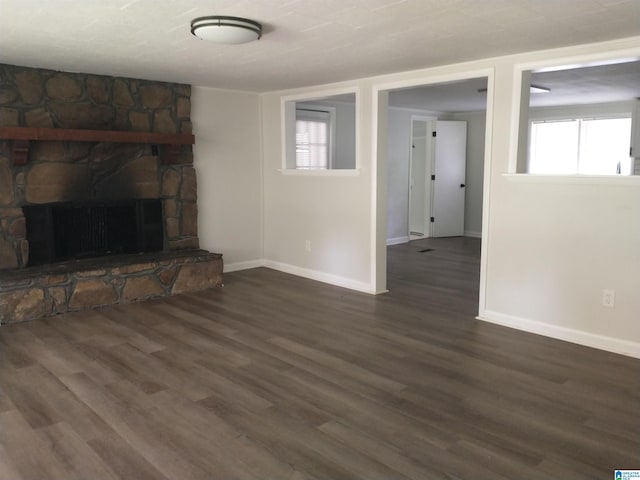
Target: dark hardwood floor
x=278 y=377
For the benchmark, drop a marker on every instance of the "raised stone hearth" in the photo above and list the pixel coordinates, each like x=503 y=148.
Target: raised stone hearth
x=31 y=293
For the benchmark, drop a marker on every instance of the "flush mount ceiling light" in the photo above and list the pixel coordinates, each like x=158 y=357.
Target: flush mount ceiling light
x=226 y=30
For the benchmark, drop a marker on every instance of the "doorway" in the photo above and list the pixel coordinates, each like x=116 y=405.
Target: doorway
x=461 y=101
x=419 y=179
x=437 y=178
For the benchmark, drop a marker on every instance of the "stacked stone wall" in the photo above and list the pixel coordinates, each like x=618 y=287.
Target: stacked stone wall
x=80 y=171
x=24 y=296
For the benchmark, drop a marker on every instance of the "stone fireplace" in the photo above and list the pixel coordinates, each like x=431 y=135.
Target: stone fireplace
x=50 y=176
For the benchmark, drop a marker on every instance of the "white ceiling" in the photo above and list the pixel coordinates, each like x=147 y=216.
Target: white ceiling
x=617 y=82
x=306 y=42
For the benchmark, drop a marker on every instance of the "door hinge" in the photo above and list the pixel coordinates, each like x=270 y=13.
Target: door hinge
x=433 y=134
x=433 y=177
x=433 y=219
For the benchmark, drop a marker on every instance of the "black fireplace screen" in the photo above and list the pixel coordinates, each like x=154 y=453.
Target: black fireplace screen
x=65 y=231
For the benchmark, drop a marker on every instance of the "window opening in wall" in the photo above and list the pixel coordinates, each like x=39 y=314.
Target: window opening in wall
x=586 y=146
x=319 y=135
x=313 y=139
x=587 y=122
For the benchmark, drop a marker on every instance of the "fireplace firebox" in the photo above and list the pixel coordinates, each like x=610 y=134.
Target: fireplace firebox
x=66 y=231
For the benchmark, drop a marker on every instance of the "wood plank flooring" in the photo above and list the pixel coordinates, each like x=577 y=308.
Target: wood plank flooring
x=278 y=377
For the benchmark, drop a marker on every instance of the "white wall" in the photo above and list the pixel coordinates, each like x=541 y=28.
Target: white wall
x=476 y=127
x=555 y=243
x=227 y=159
x=547 y=251
x=550 y=245
x=330 y=209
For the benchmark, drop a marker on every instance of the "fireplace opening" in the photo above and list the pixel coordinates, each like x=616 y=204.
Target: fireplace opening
x=66 y=231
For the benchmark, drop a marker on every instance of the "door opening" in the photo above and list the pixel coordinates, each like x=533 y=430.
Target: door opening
x=419 y=180
x=419 y=208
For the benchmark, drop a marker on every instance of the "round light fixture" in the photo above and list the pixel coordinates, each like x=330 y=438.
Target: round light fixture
x=227 y=30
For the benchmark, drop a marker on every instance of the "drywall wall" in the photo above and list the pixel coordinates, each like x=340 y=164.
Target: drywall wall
x=547 y=251
x=550 y=245
x=228 y=165
x=555 y=246
x=317 y=223
x=476 y=127
x=554 y=243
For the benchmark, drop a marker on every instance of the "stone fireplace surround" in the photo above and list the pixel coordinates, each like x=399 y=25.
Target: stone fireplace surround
x=69 y=171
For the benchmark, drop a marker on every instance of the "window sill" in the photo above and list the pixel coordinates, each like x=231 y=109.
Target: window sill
x=320 y=173
x=626 y=180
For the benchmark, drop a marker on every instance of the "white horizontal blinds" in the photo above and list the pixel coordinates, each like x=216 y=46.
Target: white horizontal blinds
x=312 y=139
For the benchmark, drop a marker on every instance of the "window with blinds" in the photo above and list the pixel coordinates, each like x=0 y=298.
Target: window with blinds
x=313 y=139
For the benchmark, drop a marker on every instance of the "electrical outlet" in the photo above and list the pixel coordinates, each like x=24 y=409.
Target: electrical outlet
x=608 y=298
x=307 y=245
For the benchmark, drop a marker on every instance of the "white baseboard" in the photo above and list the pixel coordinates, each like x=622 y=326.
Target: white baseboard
x=397 y=240
x=236 y=266
x=610 y=344
x=468 y=233
x=320 y=276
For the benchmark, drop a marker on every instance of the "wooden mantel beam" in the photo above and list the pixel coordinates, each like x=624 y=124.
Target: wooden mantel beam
x=111 y=136
x=21 y=136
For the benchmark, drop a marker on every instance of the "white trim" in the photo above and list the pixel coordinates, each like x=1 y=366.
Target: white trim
x=397 y=240
x=320 y=276
x=601 y=342
x=376 y=206
x=617 y=180
x=262 y=179
x=486 y=191
x=236 y=266
x=428 y=171
x=336 y=172
x=432 y=79
x=320 y=94
x=469 y=233
x=419 y=111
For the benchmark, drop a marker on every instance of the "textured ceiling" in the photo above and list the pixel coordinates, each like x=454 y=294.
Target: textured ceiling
x=617 y=82
x=306 y=42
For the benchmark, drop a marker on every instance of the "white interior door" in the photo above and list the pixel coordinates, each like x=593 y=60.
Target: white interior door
x=448 y=187
x=419 y=191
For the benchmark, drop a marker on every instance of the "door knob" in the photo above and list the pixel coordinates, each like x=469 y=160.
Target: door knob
x=462 y=185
